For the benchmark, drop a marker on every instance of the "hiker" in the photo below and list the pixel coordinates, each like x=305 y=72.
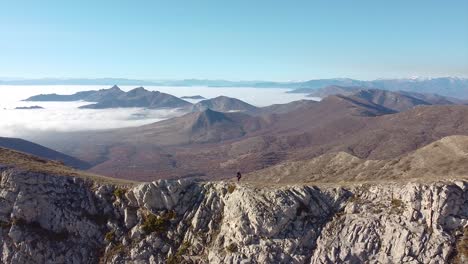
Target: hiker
x=239 y=176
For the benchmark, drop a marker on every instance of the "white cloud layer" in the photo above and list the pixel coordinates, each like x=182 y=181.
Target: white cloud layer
x=65 y=116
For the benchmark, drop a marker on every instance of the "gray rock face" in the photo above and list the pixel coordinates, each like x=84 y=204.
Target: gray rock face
x=53 y=219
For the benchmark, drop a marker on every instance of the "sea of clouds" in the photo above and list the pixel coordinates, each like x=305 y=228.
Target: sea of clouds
x=66 y=116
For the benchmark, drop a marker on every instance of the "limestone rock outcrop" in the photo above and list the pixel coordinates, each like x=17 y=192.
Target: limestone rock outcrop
x=55 y=219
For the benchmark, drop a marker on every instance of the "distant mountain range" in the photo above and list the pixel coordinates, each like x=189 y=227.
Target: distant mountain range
x=29 y=107
x=428 y=98
x=195 y=97
x=447 y=86
x=369 y=124
x=225 y=104
x=115 y=97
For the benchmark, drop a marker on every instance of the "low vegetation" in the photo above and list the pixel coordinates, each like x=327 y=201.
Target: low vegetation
x=231 y=188
x=119 y=192
x=159 y=224
x=114 y=251
x=177 y=258
x=461 y=248
x=35 y=164
x=110 y=236
x=397 y=206
x=232 y=248
x=154 y=223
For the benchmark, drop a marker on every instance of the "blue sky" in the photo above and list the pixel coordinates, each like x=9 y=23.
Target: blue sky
x=238 y=40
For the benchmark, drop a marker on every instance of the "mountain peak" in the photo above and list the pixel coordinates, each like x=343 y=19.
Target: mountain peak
x=225 y=104
x=115 y=87
x=209 y=117
x=138 y=89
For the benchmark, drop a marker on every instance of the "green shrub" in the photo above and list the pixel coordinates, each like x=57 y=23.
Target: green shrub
x=119 y=193
x=397 y=203
x=116 y=250
x=110 y=236
x=154 y=223
x=231 y=188
x=397 y=206
x=172 y=260
x=183 y=248
x=170 y=215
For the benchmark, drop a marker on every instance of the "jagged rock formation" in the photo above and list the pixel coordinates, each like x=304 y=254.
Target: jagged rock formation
x=57 y=219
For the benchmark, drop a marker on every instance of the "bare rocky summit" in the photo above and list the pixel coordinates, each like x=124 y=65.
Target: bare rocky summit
x=53 y=214
x=72 y=220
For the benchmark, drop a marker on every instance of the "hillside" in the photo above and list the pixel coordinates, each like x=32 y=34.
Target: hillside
x=285 y=108
x=434 y=99
x=89 y=96
x=446 y=86
x=197 y=127
x=24 y=162
x=335 y=90
x=115 y=97
x=391 y=100
x=140 y=97
x=216 y=145
x=397 y=100
x=197 y=144
x=443 y=159
x=224 y=104
x=41 y=151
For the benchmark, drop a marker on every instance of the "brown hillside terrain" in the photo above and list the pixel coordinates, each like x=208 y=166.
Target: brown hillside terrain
x=41 y=151
x=442 y=159
x=180 y=148
x=23 y=161
x=335 y=90
x=392 y=100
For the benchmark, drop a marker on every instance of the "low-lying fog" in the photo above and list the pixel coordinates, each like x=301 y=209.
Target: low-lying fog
x=65 y=116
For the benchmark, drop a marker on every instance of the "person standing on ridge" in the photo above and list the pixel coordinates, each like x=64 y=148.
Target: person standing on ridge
x=239 y=176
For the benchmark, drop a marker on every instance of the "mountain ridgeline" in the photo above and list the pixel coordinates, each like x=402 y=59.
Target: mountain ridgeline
x=371 y=176
x=225 y=134
x=446 y=86
x=115 y=97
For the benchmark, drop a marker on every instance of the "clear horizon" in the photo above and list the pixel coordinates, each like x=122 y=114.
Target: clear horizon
x=234 y=40
x=9 y=78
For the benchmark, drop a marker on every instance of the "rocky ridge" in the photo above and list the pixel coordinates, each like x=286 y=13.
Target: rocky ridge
x=56 y=219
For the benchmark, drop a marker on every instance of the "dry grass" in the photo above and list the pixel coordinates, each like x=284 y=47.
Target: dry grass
x=442 y=160
x=231 y=188
x=35 y=164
